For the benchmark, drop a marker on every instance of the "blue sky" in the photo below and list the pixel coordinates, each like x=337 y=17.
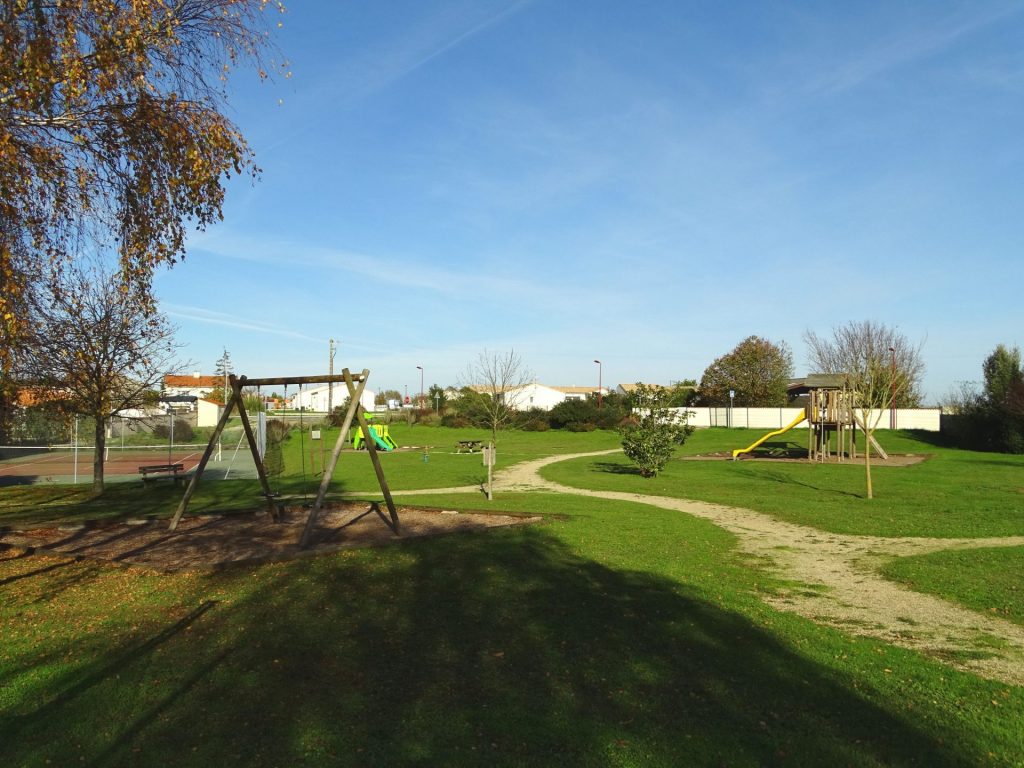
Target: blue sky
x=646 y=183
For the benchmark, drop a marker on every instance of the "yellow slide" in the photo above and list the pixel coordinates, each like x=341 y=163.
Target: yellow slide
x=756 y=443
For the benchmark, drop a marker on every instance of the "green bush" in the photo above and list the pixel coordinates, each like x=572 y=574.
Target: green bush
x=581 y=426
x=573 y=412
x=649 y=440
x=455 y=421
x=183 y=432
x=336 y=417
x=536 y=425
x=273 y=457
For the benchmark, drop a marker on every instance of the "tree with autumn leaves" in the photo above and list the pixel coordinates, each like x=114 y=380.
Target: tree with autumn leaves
x=94 y=349
x=756 y=370
x=112 y=135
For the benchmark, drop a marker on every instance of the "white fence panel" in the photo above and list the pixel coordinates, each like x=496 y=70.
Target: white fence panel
x=927 y=419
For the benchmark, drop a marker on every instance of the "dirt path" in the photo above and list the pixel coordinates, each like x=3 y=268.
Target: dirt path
x=836 y=578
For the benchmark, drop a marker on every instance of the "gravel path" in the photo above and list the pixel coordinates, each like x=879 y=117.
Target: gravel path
x=837 y=580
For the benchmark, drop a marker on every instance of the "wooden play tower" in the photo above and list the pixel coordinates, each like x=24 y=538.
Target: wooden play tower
x=831 y=411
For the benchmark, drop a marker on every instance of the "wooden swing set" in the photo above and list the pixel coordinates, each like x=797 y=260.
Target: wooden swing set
x=354 y=413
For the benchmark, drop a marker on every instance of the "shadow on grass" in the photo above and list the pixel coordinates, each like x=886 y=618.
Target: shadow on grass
x=78 y=684
x=498 y=649
x=785 y=448
x=611 y=467
x=786 y=478
x=32 y=507
x=37 y=572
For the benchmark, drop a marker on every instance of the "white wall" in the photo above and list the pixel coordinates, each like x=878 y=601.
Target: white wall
x=207 y=413
x=534 y=396
x=926 y=419
x=315 y=398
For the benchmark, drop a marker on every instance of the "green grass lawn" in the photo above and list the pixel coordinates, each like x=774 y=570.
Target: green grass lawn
x=987 y=580
x=613 y=634
x=952 y=494
x=304 y=458
x=616 y=634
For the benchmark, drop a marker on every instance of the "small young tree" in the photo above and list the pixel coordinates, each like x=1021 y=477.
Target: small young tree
x=97 y=347
x=501 y=379
x=222 y=391
x=864 y=352
x=650 y=438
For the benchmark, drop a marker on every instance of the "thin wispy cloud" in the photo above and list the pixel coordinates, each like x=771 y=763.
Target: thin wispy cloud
x=377 y=68
x=904 y=50
x=396 y=273
x=212 y=317
x=417 y=58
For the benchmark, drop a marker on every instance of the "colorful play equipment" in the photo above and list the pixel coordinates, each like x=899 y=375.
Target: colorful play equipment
x=798 y=420
x=829 y=411
x=379 y=433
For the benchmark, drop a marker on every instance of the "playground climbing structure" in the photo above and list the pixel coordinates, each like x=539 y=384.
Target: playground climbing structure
x=831 y=411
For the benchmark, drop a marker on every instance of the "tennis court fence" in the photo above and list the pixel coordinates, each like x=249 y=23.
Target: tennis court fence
x=71 y=463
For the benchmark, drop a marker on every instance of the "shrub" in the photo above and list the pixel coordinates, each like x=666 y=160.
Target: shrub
x=581 y=426
x=277 y=429
x=427 y=418
x=536 y=425
x=336 y=417
x=455 y=421
x=183 y=432
x=573 y=412
x=651 y=440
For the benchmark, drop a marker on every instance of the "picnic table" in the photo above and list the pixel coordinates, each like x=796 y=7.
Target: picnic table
x=469 y=446
x=152 y=472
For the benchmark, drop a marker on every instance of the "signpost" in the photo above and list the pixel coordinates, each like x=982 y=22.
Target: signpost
x=489 y=455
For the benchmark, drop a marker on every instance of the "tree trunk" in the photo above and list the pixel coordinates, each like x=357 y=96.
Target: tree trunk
x=97 y=457
x=867 y=462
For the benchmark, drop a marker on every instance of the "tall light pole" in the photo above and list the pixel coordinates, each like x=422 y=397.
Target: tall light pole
x=892 y=390
x=331 y=349
x=421 y=384
x=600 y=389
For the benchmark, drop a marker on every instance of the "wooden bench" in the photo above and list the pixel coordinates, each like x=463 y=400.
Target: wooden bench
x=469 y=446
x=153 y=472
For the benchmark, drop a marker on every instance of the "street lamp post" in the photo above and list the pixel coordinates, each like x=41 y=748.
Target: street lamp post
x=331 y=349
x=600 y=389
x=892 y=390
x=421 y=384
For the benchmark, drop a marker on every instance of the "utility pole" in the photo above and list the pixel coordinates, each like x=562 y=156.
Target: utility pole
x=331 y=349
x=892 y=390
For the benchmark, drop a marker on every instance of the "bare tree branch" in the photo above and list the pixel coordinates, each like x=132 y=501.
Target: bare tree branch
x=96 y=347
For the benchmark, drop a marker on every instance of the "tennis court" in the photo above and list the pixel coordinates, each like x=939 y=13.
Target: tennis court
x=26 y=465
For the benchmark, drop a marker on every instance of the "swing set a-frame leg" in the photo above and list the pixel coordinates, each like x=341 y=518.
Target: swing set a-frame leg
x=354 y=413
x=234 y=401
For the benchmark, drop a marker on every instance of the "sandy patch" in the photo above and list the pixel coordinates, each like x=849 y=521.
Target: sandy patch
x=205 y=542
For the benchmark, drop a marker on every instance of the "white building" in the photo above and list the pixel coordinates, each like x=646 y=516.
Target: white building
x=544 y=397
x=315 y=397
x=208 y=413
